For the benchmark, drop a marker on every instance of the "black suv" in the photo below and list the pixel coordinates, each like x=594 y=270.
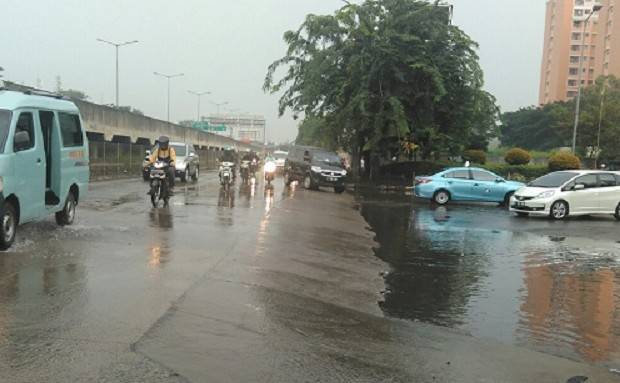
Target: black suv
x=314 y=167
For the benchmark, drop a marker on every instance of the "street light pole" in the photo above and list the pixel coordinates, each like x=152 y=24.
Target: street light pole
x=168 y=77
x=116 y=46
x=595 y=8
x=218 y=105
x=198 y=95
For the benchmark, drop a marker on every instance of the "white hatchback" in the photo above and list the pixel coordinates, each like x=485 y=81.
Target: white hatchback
x=570 y=193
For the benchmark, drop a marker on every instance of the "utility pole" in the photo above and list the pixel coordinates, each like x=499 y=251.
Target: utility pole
x=168 y=76
x=198 y=95
x=116 y=46
x=595 y=9
x=219 y=105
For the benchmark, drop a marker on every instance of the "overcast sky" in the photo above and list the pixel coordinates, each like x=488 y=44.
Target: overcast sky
x=225 y=47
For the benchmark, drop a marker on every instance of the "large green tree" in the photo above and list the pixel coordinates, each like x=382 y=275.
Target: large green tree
x=382 y=72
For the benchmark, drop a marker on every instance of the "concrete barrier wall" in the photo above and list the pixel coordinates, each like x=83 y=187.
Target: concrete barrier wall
x=122 y=126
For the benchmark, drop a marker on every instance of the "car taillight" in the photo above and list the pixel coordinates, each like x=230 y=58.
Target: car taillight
x=421 y=181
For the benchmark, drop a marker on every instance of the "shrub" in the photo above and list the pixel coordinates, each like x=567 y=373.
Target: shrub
x=475 y=156
x=517 y=156
x=564 y=161
x=518 y=172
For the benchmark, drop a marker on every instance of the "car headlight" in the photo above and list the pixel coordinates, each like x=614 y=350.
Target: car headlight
x=316 y=169
x=546 y=194
x=344 y=172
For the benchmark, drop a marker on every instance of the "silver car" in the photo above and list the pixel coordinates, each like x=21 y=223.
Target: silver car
x=188 y=162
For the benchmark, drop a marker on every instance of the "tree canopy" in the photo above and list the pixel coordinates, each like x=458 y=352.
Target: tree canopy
x=382 y=72
x=551 y=126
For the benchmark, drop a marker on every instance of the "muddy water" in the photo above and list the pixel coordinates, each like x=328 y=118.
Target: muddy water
x=549 y=286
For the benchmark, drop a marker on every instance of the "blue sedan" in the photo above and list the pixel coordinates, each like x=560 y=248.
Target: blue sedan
x=465 y=184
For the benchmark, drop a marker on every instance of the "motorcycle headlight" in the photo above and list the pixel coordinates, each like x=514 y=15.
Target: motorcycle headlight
x=546 y=194
x=270 y=167
x=316 y=169
x=344 y=172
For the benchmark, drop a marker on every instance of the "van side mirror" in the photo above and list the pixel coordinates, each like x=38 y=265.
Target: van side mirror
x=21 y=141
x=579 y=187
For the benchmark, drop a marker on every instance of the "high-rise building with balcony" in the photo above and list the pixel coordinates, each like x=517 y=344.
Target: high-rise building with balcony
x=566 y=39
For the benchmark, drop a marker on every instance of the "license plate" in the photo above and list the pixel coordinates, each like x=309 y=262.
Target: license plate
x=332 y=179
x=520 y=204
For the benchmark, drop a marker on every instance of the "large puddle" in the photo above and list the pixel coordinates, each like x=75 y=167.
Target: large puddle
x=478 y=269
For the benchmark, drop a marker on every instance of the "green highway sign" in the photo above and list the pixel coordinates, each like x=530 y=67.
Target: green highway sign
x=204 y=125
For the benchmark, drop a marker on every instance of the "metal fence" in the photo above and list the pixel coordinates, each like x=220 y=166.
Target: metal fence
x=110 y=160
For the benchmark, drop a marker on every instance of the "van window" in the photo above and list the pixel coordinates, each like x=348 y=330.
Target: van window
x=5 y=124
x=25 y=123
x=71 y=130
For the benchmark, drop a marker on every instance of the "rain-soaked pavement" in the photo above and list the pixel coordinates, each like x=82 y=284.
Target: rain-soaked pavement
x=549 y=286
x=283 y=286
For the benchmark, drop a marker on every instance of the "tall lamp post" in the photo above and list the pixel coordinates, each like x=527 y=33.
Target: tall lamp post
x=219 y=105
x=198 y=95
x=595 y=9
x=116 y=46
x=168 y=77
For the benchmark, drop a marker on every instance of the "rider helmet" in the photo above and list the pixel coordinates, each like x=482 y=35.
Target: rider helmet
x=164 y=142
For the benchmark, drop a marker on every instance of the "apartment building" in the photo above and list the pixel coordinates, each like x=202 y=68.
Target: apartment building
x=567 y=35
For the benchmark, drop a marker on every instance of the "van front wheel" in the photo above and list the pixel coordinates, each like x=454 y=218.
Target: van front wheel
x=67 y=214
x=8 y=226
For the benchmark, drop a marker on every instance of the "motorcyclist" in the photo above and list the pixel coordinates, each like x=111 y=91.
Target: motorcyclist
x=164 y=152
x=229 y=156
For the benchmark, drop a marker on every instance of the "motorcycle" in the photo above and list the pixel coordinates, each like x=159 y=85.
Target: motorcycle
x=245 y=171
x=159 y=183
x=253 y=167
x=226 y=174
x=270 y=172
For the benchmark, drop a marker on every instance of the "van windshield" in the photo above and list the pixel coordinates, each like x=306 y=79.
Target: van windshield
x=5 y=123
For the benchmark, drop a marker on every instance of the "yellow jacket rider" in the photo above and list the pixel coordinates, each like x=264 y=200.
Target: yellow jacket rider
x=165 y=153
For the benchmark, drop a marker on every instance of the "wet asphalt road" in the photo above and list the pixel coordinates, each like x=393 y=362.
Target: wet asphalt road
x=246 y=286
x=546 y=285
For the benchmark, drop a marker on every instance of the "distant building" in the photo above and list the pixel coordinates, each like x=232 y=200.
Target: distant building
x=240 y=127
x=563 y=42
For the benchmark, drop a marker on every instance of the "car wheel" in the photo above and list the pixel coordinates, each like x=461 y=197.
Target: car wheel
x=8 y=226
x=196 y=173
x=617 y=215
x=559 y=210
x=441 y=197
x=67 y=215
x=506 y=202
x=185 y=175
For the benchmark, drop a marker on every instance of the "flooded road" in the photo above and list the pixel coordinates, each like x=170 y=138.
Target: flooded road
x=282 y=285
x=548 y=286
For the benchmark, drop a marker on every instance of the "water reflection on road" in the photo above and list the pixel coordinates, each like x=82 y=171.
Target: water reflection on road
x=479 y=269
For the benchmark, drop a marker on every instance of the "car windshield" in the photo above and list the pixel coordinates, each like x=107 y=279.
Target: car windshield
x=326 y=158
x=5 y=123
x=553 y=180
x=180 y=150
